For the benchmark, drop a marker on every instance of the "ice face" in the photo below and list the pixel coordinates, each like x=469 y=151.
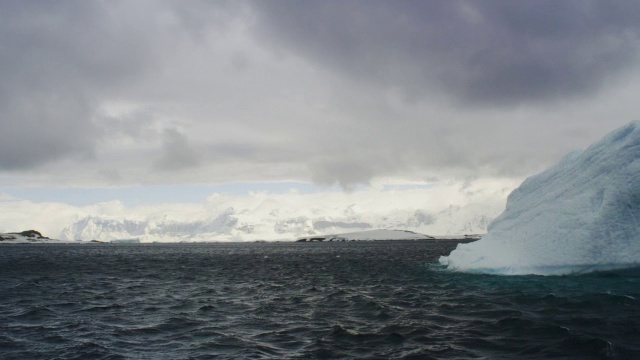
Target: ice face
x=581 y=215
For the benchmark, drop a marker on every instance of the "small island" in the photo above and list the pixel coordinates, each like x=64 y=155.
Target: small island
x=27 y=236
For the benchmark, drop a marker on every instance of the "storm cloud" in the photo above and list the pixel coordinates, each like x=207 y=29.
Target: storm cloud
x=326 y=91
x=479 y=53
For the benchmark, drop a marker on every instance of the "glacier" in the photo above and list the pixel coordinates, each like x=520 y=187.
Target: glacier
x=276 y=220
x=581 y=215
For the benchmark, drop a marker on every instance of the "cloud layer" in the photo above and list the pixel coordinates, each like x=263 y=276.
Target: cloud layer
x=120 y=93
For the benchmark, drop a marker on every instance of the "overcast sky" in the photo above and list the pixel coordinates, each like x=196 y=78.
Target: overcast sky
x=105 y=94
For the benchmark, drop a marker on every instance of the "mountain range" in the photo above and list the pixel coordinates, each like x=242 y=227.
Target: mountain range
x=272 y=223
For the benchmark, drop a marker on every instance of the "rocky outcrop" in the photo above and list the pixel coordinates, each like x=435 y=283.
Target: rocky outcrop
x=27 y=236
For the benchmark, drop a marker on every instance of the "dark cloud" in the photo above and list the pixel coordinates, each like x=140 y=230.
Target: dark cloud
x=54 y=58
x=483 y=53
x=60 y=60
x=346 y=172
x=176 y=152
x=26 y=140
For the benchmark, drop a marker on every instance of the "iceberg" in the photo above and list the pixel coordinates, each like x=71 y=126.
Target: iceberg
x=581 y=215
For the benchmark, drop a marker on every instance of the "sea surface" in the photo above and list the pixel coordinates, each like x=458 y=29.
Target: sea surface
x=375 y=300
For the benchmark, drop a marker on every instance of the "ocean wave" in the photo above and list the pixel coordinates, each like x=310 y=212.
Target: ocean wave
x=385 y=301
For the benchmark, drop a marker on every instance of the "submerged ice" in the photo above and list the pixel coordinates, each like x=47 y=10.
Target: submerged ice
x=581 y=215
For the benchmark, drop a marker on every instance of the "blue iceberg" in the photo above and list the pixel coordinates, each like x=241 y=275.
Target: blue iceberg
x=581 y=215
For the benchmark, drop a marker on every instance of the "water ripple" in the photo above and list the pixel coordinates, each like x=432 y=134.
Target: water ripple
x=344 y=300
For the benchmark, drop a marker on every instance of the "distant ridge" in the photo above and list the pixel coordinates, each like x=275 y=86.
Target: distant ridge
x=272 y=221
x=381 y=234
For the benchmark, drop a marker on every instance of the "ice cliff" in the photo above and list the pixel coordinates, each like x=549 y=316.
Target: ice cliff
x=581 y=215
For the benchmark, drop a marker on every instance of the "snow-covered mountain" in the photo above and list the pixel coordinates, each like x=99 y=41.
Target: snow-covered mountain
x=369 y=235
x=263 y=221
x=25 y=237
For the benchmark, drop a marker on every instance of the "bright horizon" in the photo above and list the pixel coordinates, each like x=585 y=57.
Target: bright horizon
x=265 y=208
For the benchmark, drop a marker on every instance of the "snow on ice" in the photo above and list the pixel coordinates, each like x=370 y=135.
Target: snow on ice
x=581 y=215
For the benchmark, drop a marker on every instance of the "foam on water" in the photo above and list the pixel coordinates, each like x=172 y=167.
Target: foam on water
x=582 y=215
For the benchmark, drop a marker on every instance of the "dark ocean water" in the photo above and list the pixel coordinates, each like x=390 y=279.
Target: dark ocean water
x=376 y=300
